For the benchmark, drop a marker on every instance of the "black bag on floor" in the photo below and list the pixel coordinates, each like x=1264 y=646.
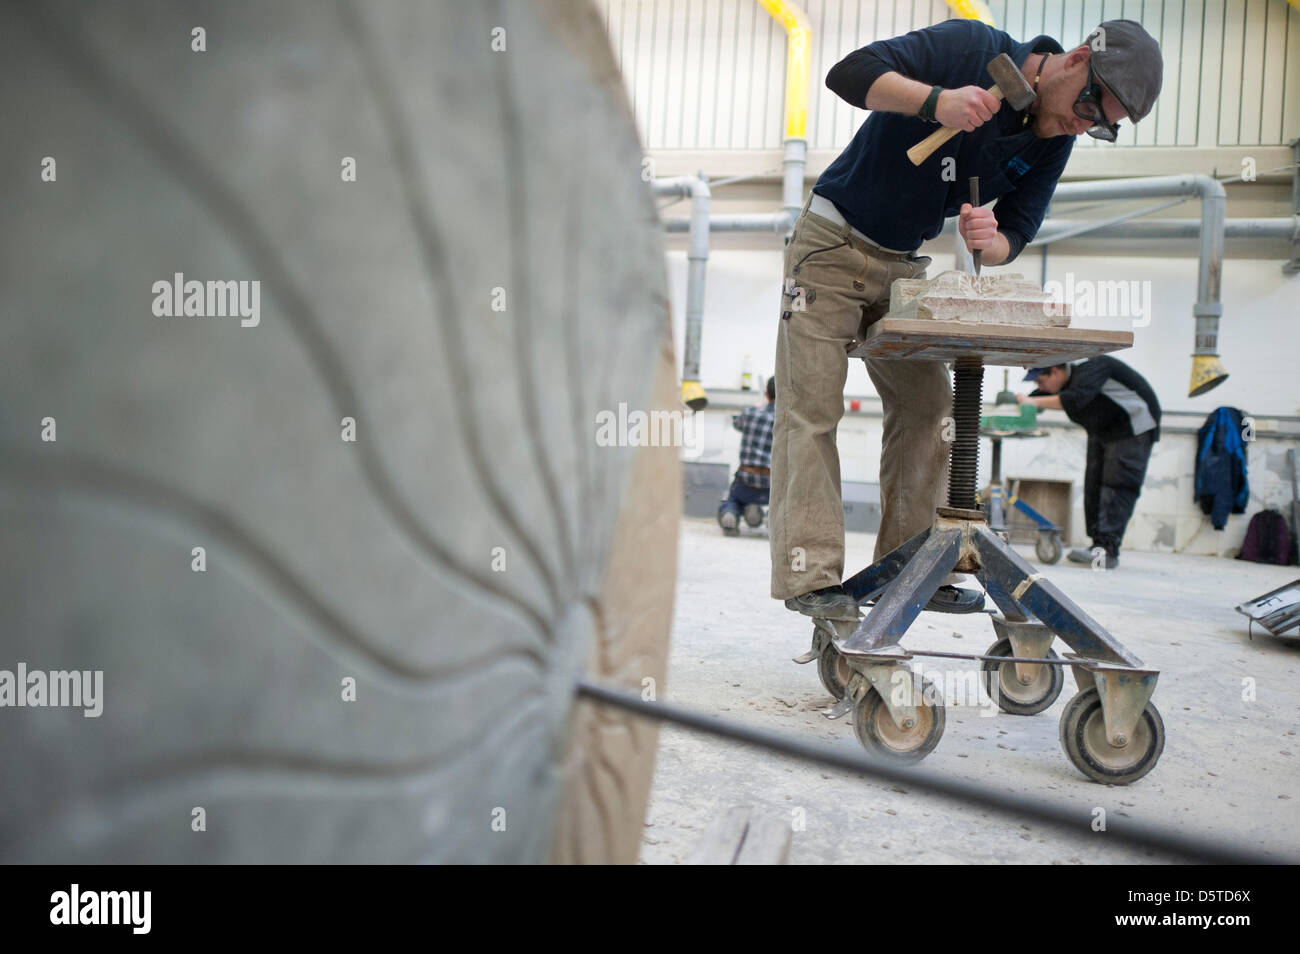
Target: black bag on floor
x=1268 y=539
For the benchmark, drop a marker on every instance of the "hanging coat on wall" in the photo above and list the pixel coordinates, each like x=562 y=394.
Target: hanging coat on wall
x=1221 y=485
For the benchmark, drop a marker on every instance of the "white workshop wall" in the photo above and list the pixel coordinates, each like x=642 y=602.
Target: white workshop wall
x=710 y=74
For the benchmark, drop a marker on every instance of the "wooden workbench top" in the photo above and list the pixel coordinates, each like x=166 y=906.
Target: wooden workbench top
x=929 y=340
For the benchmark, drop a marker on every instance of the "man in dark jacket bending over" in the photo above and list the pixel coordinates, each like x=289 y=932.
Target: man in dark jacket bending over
x=859 y=231
x=1121 y=414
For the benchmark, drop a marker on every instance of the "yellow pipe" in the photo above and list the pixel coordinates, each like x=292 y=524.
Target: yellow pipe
x=972 y=10
x=798 y=55
x=798 y=60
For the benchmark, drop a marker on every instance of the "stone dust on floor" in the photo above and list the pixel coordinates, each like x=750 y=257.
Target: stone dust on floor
x=1231 y=708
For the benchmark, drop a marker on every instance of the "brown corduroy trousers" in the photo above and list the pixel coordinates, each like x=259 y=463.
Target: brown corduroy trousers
x=835 y=286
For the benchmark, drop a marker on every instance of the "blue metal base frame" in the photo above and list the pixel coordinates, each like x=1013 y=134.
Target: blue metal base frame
x=903 y=581
x=1110 y=730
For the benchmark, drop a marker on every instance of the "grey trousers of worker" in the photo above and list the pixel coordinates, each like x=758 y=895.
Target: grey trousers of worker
x=835 y=286
x=1112 y=483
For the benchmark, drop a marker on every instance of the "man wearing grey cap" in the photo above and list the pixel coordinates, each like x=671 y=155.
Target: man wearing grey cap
x=860 y=230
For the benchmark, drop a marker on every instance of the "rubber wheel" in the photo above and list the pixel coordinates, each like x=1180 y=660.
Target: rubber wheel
x=882 y=737
x=1047 y=547
x=1083 y=736
x=1005 y=689
x=834 y=671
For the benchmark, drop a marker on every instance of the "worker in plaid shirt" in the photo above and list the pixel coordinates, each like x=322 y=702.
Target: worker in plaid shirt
x=750 y=488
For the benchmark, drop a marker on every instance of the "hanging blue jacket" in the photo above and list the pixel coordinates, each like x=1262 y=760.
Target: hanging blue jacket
x=1221 y=484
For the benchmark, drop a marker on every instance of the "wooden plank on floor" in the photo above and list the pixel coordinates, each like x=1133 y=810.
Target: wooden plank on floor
x=722 y=839
x=767 y=842
x=743 y=837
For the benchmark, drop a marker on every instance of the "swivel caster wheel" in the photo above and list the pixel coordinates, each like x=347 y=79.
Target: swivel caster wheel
x=1083 y=736
x=1047 y=547
x=835 y=673
x=884 y=738
x=1013 y=696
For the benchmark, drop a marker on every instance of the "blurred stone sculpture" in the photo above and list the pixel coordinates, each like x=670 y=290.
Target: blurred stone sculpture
x=340 y=566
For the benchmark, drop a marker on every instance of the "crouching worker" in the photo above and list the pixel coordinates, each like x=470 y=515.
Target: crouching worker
x=750 y=488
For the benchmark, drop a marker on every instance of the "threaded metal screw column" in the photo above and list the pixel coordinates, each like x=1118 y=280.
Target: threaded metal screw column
x=963 y=459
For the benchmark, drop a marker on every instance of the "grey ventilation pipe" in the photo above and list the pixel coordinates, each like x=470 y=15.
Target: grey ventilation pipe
x=697 y=259
x=700 y=224
x=1272 y=228
x=793 y=165
x=1293 y=266
x=1121 y=227
x=1207 y=369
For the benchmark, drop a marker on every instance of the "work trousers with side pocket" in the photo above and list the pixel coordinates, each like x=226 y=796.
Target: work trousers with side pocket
x=835 y=286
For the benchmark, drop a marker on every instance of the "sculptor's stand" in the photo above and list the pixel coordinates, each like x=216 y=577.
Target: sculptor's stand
x=1109 y=730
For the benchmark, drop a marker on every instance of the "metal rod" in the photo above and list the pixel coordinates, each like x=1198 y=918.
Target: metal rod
x=776 y=222
x=1090 y=225
x=1055 y=661
x=765 y=174
x=1077 y=820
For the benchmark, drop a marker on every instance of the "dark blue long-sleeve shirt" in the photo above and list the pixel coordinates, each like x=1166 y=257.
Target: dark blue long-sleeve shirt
x=899 y=205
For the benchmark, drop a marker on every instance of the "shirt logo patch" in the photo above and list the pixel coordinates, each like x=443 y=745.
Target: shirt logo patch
x=1017 y=165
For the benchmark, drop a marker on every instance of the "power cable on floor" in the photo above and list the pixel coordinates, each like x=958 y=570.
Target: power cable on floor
x=1077 y=821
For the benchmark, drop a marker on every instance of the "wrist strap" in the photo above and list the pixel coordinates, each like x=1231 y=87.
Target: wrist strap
x=928 y=107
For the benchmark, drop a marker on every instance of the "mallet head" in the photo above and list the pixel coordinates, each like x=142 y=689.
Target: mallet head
x=1011 y=82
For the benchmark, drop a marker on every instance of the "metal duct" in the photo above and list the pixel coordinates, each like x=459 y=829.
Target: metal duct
x=1207 y=370
x=697 y=257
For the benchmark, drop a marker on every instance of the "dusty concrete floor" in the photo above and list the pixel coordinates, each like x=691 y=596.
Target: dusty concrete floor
x=1230 y=769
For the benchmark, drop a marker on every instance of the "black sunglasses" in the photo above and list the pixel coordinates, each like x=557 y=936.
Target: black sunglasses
x=1088 y=106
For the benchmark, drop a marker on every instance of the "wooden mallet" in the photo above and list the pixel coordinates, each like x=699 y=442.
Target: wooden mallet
x=1008 y=83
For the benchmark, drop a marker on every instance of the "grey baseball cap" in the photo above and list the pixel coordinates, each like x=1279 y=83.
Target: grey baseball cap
x=1126 y=58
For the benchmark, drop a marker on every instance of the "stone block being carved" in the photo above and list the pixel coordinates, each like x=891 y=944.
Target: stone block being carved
x=987 y=299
